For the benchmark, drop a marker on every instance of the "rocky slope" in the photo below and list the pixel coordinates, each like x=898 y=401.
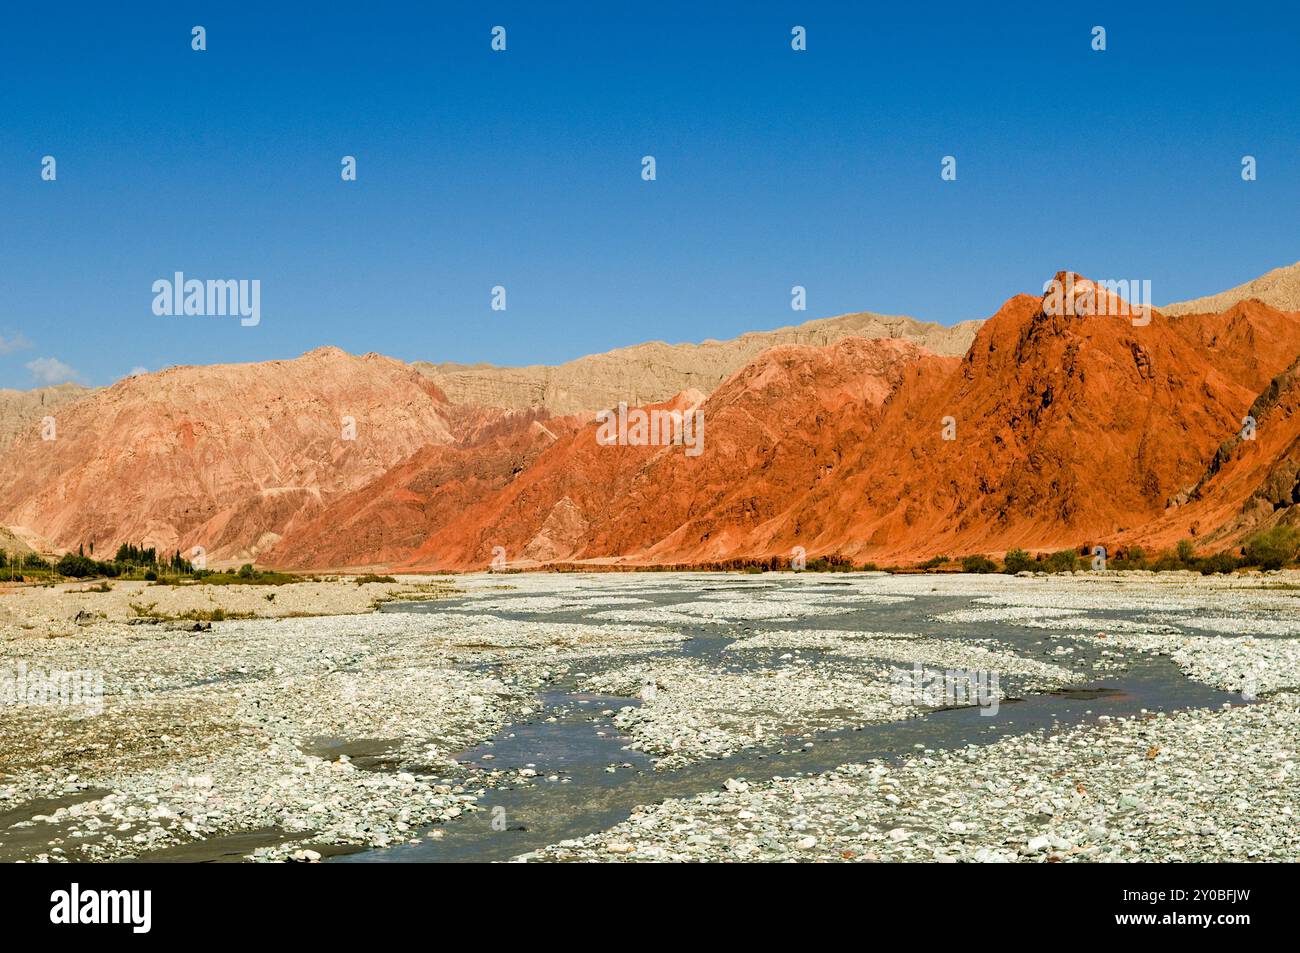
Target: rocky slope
x=1066 y=428
x=20 y=409
x=11 y=544
x=1252 y=482
x=1070 y=429
x=656 y=371
x=383 y=522
x=223 y=457
x=773 y=433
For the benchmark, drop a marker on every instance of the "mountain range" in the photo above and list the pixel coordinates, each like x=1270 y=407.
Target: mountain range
x=872 y=437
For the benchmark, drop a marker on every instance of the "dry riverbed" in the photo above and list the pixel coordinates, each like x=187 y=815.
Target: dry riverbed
x=1202 y=785
x=1195 y=786
x=63 y=609
x=303 y=722
x=215 y=729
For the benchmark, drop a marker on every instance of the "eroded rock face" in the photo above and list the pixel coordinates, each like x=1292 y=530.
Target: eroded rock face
x=385 y=521
x=223 y=457
x=775 y=434
x=1253 y=479
x=561 y=535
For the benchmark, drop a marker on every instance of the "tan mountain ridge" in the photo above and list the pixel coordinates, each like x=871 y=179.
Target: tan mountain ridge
x=19 y=409
x=13 y=543
x=639 y=373
x=1279 y=288
x=652 y=372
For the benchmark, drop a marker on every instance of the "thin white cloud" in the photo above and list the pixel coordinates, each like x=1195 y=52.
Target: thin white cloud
x=137 y=371
x=50 y=370
x=18 y=342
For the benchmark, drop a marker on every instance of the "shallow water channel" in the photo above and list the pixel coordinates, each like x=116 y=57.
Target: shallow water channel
x=588 y=797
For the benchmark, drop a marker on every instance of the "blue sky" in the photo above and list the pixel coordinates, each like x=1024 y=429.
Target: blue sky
x=522 y=169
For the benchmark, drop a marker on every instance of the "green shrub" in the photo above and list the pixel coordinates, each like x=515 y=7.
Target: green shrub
x=1273 y=548
x=1134 y=557
x=1067 y=560
x=934 y=562
x=1017 y=560
x=76 y=565
x=136 y=555
x=1185 y=551
x=1219 y=563
x=978 y=563
x=255 y=577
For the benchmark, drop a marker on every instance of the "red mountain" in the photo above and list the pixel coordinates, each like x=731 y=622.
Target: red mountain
x=1061 y=426
x=223 y=457
x=1067 y=428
